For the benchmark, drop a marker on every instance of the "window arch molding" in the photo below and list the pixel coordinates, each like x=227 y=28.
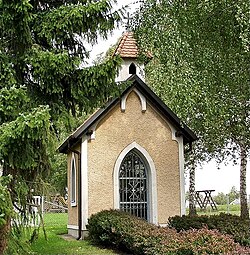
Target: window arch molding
x=152 y=185
x=141 y=97
x=73 y=187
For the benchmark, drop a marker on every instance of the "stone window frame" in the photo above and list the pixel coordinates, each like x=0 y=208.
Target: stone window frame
x=127 y=179
x=152 y=183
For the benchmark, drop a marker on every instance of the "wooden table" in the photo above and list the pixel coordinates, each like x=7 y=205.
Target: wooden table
x=207 y=199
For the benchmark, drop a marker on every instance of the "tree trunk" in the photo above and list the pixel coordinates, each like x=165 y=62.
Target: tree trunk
x=244 y=211
x=4 y=231
x=5 y=228
x=192 y=208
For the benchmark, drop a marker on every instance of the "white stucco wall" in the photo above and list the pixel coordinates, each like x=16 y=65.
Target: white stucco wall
x=124 y=70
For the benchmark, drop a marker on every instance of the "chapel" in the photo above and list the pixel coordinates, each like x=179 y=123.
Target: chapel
x=128 y=155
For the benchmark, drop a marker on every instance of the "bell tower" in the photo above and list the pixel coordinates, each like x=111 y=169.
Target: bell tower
x=128 y=51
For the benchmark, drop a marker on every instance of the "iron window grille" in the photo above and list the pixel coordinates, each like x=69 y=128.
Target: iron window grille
x=133 y=185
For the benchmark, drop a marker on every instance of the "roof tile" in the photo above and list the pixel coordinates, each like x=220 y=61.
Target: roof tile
x=127 y=47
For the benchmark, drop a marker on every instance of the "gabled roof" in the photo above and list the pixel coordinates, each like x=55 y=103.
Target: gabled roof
x=159 y=105
x=127 y=47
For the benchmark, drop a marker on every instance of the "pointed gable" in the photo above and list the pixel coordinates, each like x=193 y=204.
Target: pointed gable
x=137 y=84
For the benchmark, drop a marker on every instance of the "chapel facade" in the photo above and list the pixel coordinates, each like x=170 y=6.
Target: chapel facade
x=128 y=155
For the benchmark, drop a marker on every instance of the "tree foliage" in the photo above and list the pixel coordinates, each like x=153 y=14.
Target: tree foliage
x=43 y=84
x=6 y=212
x=42 y=47
x=222 y=198
x=42 y=81
x=201 y=70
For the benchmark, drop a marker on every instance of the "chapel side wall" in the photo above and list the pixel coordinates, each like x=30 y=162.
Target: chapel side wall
x=72 y=210
x=115 y=132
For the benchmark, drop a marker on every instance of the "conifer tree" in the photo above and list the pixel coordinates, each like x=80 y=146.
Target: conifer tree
x=42 y=83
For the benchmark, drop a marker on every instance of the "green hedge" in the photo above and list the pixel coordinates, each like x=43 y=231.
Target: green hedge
x=136 y=236
x=229 y=224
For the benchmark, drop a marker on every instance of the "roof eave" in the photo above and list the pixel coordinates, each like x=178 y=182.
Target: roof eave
x=73 y=139
x=67 y=144
x=188 y=134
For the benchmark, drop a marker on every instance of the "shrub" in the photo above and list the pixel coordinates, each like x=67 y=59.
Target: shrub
x=122 y=230
x=202 y=241
x=226 y=223
x=137 y=236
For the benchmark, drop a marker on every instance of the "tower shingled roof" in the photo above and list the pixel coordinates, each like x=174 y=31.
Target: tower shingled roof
x=127 y=47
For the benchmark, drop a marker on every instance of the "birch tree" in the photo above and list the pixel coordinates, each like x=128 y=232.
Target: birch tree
x=202 y=70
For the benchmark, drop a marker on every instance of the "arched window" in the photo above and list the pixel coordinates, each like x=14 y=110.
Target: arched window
x=133 y=185
x=132 y=68
x=73 y=181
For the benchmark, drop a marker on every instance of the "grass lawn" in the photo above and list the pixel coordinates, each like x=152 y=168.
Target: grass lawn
x=232 y=209
x=56 y=226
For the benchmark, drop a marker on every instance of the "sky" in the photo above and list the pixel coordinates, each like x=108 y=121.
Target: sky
x=208 y=176
x=223 y=179
x=104 y=45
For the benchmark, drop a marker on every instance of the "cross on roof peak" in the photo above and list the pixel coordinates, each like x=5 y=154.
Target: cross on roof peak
x=128 y=22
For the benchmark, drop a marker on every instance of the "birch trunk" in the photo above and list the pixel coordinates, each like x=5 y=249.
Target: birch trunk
x=244 y=211
x=192 y=208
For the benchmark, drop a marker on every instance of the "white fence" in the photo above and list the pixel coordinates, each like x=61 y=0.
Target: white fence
x=40 y=205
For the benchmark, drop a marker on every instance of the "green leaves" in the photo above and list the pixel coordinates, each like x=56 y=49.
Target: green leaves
x=22 y=139
x=15 y=29
x=137 y=236
x=242 y=16
x=11 y=101
x=67 y=26
x=201 y=69
x=42 y=82
x=42 y=85
x=47 y=69
x=201 y=66
x=6 y=208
